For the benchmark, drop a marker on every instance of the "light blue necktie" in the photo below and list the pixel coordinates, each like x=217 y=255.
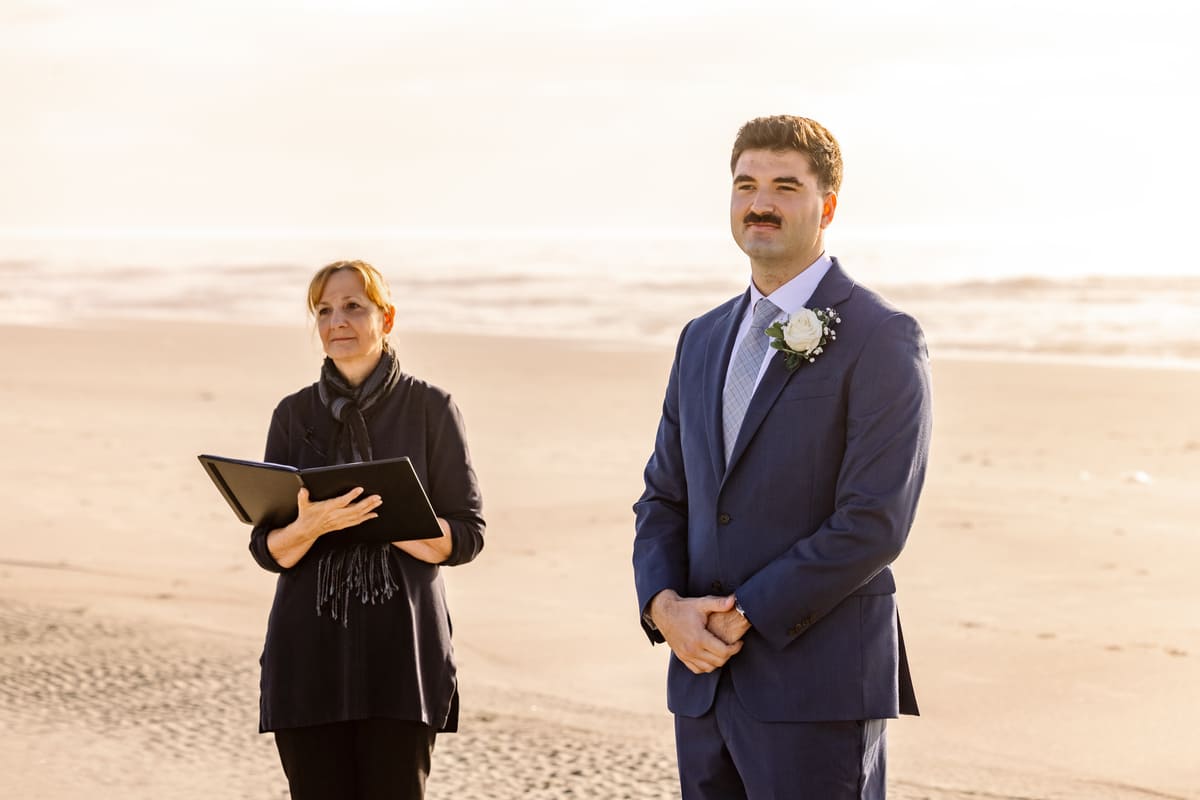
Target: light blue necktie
x=739 y=386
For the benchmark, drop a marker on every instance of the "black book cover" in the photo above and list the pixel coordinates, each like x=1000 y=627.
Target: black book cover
x=262 y=493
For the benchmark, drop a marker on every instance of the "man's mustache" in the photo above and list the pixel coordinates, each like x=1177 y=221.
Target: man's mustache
x=758 y=219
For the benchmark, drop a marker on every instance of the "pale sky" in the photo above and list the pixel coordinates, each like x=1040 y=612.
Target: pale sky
x=1012 y=117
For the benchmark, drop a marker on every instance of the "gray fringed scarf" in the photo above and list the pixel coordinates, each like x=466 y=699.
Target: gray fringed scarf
x=358 y=569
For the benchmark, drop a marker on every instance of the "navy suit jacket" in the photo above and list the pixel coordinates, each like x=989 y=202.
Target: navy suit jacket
x=816 y=502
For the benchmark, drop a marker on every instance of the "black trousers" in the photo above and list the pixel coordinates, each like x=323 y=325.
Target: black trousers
x=368 y=759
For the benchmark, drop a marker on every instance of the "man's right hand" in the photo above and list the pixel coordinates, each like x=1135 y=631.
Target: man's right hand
x=683 y=623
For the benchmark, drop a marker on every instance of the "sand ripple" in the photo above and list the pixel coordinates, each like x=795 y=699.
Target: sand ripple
x=148 y=711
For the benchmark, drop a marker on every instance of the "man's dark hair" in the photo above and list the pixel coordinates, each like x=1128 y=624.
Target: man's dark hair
x=785 y=132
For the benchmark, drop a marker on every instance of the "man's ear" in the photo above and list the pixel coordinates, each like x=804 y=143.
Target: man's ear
x=389 y=317
x=828 y=209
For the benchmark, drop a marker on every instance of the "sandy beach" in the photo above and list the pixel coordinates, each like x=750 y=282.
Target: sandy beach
x=1047 y=592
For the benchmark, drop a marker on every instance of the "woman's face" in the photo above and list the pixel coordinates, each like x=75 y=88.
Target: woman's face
x=350 y=324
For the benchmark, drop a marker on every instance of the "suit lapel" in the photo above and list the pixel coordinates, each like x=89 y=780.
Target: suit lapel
x=716 y=364
x=833 y=289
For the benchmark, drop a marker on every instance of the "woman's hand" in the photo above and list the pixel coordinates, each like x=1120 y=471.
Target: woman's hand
x=335 y=514
x=431 y=551
x=315 y=519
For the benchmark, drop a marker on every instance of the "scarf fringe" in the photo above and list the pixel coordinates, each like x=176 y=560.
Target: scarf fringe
x=362 y=571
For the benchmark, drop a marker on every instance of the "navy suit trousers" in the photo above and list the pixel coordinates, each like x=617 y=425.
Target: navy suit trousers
x=728 y=755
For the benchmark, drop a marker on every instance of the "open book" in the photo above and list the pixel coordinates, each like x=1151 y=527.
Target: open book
x=262 y=493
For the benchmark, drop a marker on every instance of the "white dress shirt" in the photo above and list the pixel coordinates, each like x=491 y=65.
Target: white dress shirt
x=790 y=298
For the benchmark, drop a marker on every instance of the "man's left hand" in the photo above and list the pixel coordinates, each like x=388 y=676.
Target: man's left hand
x=728 y=626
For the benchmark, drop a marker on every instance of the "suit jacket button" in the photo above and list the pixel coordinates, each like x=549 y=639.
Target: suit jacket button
x=794 y=630
x=717 y=587
x=724 y=518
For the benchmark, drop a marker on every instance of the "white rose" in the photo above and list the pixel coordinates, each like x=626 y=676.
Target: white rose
x=803 y=331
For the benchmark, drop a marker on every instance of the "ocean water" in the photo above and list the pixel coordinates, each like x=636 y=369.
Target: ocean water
x=613 y=289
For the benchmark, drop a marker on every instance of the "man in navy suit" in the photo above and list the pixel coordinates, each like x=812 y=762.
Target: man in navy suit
x=782 y=485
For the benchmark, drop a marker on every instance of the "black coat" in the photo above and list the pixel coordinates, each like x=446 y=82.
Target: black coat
x=393 y=659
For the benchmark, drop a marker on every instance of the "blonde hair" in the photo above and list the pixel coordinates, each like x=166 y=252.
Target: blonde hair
x=376 y=287
x=804 y=135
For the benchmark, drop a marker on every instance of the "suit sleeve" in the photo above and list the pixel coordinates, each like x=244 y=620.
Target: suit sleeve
x=277 y=452
x=660 y=559
x=453 y=487
x=888 y=426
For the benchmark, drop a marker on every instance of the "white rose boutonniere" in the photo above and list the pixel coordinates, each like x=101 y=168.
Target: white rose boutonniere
x=804 y=336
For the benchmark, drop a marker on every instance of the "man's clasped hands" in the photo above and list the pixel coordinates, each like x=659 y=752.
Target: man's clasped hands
x=703 y=632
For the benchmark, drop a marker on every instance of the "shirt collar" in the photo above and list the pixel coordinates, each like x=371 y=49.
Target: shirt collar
x=795 y=294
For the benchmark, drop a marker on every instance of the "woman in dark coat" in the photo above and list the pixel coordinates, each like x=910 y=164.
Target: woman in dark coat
x=358 y=671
